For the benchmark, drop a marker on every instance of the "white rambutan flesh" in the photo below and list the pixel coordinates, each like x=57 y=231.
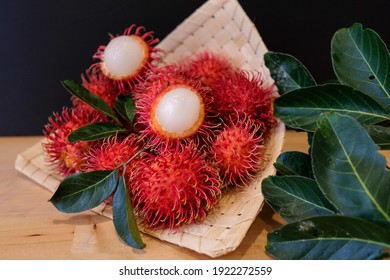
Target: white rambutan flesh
x=178 y=112
x=124 y=56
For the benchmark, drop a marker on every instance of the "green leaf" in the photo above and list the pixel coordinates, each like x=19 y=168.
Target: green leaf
x=125 y=106
x=124 y=219
x=84 y=191
x=301 y=108
x=95 y=131
x=329 y=238
x=91 y=99
x=294 y=163
x=295 y=197
x=349 y=169
x=380 y=135
x=287 y=72
x=361 y=60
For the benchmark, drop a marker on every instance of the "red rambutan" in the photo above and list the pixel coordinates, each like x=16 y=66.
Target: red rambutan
x=172 y=108
x=244 y=93
x=174 y=188
x=126 y=57
x=68 y=157
x=114 y=152
x=99 y=84
x=209 y=66
x=238 y=151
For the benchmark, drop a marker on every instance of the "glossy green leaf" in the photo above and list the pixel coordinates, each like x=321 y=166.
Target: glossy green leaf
x=301 y=108
x=287 y=72
x=91 y=99
x=361 y=60
x=294 y=163
x=349 y=169
x=329 y=238
x=380 y=135
x=295 y=197
x=84 y=191
x=95 y=131
x=125 y=106
x=123 y=217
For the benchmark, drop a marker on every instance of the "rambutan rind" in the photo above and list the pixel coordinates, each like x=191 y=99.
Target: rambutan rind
x=97 y=83
x=68 y=157
x=114 y=152
x=174 y=188
x=242 y=93
x=209 y=66
x=238 y=151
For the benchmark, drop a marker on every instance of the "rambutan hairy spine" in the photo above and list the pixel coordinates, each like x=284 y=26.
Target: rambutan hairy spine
x=68 y=157
x=238 y=151
x=174 y=188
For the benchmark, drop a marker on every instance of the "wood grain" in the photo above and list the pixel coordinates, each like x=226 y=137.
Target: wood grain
x=31 y=228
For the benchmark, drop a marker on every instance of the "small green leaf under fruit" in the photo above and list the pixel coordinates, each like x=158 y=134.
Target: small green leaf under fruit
x=123 y=216
x=296 y=197
x=95 y=131
x=84 y=191
x=349 y=169
x=288 y=73
x=329 y=238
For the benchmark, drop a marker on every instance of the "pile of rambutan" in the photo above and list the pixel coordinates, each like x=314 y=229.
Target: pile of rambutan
x=180 y=135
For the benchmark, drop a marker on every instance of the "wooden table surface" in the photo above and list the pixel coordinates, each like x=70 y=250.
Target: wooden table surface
x=31 y=228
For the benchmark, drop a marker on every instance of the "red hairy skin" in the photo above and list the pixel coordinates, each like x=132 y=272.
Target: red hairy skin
x=238 y=152
x=244 y=94
x=68 y=157
x=209 y=67
x=174 y=188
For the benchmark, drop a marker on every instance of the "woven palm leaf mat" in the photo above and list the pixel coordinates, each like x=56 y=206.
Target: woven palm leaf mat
x=219 y=26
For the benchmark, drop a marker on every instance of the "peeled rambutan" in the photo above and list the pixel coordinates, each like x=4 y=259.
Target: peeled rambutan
x=174 y=188
x=241 y=94
x=126 y=57
x=237 y=151
x=172 y=108
x=209 y=66
x=68 y=157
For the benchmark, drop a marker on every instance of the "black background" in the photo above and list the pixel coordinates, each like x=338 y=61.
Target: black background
x=46 y=41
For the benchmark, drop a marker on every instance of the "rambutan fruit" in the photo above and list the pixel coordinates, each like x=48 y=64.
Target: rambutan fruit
x=241 y=94
x=174 y=188
x=237 y=152
x=126 y=57
x=209 y=66
x=68 y=157
x=114 y=152
x=172 y=108
x=98 y=84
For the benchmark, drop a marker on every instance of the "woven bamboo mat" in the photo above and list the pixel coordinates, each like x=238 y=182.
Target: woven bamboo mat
x=220 y=26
